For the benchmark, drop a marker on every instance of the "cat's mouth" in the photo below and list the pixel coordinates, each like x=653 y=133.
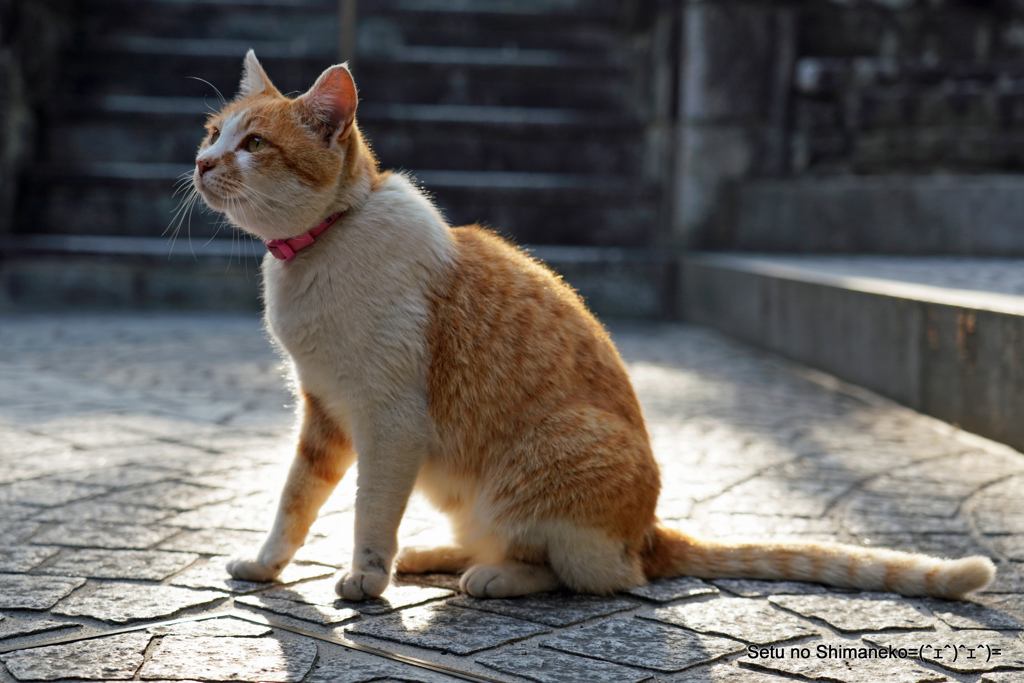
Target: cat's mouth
x=215 y=198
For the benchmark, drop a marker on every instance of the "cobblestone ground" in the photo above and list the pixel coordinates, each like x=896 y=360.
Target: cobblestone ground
x=139 y=452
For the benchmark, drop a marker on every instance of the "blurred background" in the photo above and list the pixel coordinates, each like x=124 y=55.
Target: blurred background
x=837 y=180
x=645 y=126
x=609 y=134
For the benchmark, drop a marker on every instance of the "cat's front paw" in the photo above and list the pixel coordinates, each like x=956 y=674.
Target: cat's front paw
x=252 y=570
x=362 y=584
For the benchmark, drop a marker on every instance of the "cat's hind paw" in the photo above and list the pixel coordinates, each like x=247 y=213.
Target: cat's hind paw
x=361 y=585
x=507 y=580
x=252 y=570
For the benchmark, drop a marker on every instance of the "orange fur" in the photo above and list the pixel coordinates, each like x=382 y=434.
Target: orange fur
x=450 y=359
x=322 y=445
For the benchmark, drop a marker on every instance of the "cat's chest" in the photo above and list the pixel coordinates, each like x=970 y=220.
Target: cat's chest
x=325 y=318
x=355 y=330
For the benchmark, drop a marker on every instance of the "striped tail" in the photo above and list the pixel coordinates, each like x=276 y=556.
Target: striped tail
x=673 y=553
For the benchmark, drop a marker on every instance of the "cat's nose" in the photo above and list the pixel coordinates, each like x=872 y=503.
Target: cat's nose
x=204 y=165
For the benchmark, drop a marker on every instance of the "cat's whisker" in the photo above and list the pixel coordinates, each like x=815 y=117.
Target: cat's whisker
x=184 y=210
x=263 y=208
x=203 y=80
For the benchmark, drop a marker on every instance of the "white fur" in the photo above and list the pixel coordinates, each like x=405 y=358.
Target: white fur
x=352 y=313
x=254 y=80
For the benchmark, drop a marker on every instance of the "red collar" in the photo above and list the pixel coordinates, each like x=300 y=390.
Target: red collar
x=285 y=249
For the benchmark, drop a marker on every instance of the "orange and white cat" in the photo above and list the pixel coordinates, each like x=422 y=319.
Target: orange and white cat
x=450 y=361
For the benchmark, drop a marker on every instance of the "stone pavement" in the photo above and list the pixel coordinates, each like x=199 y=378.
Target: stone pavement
x=138 y=452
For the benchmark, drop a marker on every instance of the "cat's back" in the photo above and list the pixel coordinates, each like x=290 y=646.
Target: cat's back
x=511 y=348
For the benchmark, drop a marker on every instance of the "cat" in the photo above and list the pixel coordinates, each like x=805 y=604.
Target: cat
x=451 y=361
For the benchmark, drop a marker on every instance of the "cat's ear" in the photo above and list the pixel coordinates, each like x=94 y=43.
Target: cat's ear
x=254 y=78
x=331 y=103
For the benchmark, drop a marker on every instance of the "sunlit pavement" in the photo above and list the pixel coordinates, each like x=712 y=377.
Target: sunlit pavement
x=137 y=453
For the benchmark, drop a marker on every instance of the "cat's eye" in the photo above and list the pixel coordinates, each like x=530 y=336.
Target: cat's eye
x=256 y=143
x=214 y=135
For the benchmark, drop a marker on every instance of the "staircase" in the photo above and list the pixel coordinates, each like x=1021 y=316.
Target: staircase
x=526 y=116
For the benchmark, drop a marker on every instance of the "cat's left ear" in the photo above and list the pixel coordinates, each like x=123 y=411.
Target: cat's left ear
x=331 y=103
x=254 y=78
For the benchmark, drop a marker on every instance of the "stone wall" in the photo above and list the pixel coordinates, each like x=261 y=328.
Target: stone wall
x=789 y=88
x=909 y=86
x=32 y=34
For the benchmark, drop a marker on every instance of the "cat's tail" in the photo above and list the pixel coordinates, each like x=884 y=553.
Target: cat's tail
x=673 y=553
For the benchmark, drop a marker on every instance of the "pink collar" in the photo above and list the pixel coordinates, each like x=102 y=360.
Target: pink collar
x=285 y=249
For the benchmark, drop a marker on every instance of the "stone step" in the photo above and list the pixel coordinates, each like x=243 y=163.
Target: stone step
x=414 y=75
x=606 y=9
x=262 y=20
x=955 y=215
x=380 y=26
x=124 y=198
x=941 y=335
x=76 y=271
x=448 y=137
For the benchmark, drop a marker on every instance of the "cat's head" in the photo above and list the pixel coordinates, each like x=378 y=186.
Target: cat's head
x=276 y=166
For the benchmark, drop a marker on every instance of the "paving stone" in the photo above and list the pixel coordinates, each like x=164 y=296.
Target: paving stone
x=104 y=512
x=85 y=432
x=1011 y=547
x=551 y=609
x=213 y=574
x=913 y=524
x=1001 y=677
x=325 y=615
x=347 y=669
x=90 y=535
x=1013 y=605
x=667 y=590
x=152 y=565
x=16 y=559
x=730 y=673
x=779 y=495
x=213 y=628
x=445 y=581
x=752 y=621
x=852 y=665
x=240 y=515
x=35 y=592
x=117 y=477
x=450 y=629
x=857 y=612
x=751 y=588
x=960 y=614
x=645 y=644
x=12 y=513
x=229 y=659
x=115 y=658
x=552 y=666
x=217 y=542
x=122 y=603
x=976 y=650
x=22 y=443
x=941 y=545
x=902 y=505
x=395 y=597
x=46 y=493
x=13 y=532
x=172 y=495
x=18 y=626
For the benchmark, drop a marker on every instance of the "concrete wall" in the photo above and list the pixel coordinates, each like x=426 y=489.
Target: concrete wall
x=736 y=61
x=957 y=361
